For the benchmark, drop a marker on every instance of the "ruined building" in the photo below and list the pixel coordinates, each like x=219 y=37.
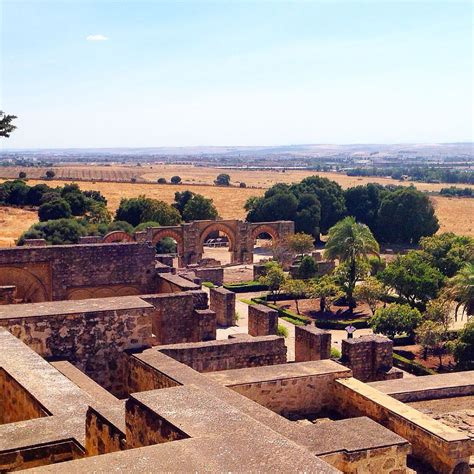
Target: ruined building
x=109 y=362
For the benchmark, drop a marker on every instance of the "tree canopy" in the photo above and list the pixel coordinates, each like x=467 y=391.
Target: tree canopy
x=143 y=209
x=6 y=124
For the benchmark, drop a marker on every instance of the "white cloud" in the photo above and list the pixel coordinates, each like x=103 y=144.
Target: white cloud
x=97 y=38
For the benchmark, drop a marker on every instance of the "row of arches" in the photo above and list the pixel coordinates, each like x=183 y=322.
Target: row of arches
x=217 y=240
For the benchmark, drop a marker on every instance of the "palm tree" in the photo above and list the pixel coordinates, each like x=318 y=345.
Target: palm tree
x=351 y=243
x=462 y=289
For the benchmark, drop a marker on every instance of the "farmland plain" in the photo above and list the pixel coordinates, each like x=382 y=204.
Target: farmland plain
x=454 y=214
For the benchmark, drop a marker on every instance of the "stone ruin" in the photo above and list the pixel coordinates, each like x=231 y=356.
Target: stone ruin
x=110 y=362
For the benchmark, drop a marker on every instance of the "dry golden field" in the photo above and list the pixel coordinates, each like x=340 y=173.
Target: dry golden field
x=454 y=214
x=202 y=175
x=13 y=222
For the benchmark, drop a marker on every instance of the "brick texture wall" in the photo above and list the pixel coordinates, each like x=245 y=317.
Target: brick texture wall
x=263 y=321
x=222 y=301
x=311 y=343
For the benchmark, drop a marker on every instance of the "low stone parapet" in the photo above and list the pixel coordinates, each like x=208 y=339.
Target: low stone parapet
x=263 y=321
x=222 y=301
x=312 y=343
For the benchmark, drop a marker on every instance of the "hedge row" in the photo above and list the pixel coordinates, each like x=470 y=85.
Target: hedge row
x=410 y=366
x=245 y=287
x=300 y=320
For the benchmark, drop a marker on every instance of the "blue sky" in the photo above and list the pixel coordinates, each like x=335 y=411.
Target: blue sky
x=131 y=73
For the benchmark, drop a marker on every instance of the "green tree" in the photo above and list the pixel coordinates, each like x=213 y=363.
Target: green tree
x=463 y=349
x=77 y=202
x=175 y=179
x=297 y=289
x=405 y=216
x=166 y=245
x=396 y=319
x=351 y=243
x=56 y=232
x=301 y=243
x=448 y=252
x=461 y=288
x=6 y=125
x=308 y=268
x=199 y=208
x=17 y=192
x=50 y=174
x=439 y=311
x=274 y=278
x=161 y=181
x=55 y=209
x=363 y=203
x=143 y=209
x=371 y=291
x=36 y=193
x=431 y=336
x=413 y=278
x=222 y=180
x=22 y=175
x=327 y=290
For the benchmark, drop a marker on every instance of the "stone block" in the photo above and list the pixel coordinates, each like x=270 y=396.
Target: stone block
x=222 y=301
x=263 y=321
x=311 y=343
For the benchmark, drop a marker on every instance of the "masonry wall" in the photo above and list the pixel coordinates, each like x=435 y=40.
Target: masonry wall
x=178 y=317
x=93 y=341
x=435 y=443
x=311 y=343
x=102 y=436
x=303 y=395
x=76 y=271
x=229 y=354
x=16 y=403
x=222 y=301
x=263 y=321
x=145 y=427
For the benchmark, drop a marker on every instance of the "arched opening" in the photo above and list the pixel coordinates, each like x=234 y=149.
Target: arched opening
x=28 y=287
x=168 y=246
x=262 y=246
x=264 y=238
x=217 y=244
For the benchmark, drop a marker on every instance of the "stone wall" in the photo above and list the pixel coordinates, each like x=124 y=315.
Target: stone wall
x=222 y=301
x=174 y=318
x=301 y=388
x=170 y=283
x=229 y=354
x=263 y=321
x=370 y=358
x=63 y=272
x=145 y=427
x=437 y=444
x=92 y=338
x=102 y=435
x=17 y=404
x=213 y=274
x=311 y=343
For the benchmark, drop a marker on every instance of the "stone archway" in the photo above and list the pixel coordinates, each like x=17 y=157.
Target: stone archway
x=218 y=227
x=264 y=228
x=29 y=288
x=160 y=234
x=116 y=236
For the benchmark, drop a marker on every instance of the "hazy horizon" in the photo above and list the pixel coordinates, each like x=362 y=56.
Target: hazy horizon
x=110 y=74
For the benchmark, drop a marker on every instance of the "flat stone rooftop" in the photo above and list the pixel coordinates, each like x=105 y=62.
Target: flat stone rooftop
x=269 y=373
x=52 y=308
x=350 y=435
x=428 y=387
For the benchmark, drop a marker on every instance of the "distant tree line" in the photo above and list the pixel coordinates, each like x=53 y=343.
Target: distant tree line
x=427 y=174
x=394 y=214
x=458 y=192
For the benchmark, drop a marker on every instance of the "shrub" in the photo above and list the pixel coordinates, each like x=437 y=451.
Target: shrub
x=242 y=185
x=175 y=179
x=282 y=331
x=335 y=353
x=222 y=180
x=308 y=268
x=396 y=319
x=54 y=209
x=56 y=232
x=50 y=174
x=208 y=284
x=161 y=181
x=22 y=175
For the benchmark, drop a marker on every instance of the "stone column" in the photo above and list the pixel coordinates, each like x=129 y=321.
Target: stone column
x=263 y=321
x=311 y=343
x=222 y=301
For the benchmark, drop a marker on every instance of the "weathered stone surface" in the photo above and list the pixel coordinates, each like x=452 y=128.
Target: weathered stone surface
x=311 y=343
x=263 y=321
x=222 y=301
